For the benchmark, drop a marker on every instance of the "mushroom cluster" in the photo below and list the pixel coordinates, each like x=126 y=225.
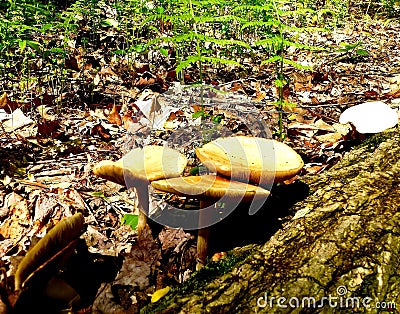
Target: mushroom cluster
x=244 y=168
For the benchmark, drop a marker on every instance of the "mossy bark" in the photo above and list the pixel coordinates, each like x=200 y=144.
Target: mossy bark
x=341 y=253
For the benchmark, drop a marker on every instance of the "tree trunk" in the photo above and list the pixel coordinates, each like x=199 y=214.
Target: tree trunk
x=340 y=252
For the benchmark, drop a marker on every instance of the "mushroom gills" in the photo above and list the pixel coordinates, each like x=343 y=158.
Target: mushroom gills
x=210 y=186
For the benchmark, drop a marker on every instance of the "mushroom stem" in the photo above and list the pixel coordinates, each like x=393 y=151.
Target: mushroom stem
x=202 y=247
x=202 y=236
x=142 y=194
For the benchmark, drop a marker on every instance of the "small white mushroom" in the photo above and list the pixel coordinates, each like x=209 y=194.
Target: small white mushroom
x=370 y=117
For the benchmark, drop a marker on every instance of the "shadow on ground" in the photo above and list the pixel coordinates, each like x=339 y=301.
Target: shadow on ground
x=240 y=228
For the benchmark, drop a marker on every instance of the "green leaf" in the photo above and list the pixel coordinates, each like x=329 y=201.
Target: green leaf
x=348 y=47
x=200 y=113
x=46 y=27
x=164 y=52
x=194 y=171
x=296 y=65
x=139 y=48
x=159 y=10
x=362 y=52
x=22 y=45
x=34 y=45
x=279 y=83
x=214 y=60
x=130 y=220
x=272 y=59
x=119 y=52
x=216 y=119
x=187 y=63
x=55 y=51
x=110 y=22
x=98 y=194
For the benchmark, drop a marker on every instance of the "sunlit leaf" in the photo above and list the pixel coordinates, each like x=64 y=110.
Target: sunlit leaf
x=279 y=83
x=159 y=294
x=110 y=22
x=216 y=119
x=362 y=52
x=22 y=45
x=34 y=45
x=164 y=52
x=119 y=52
x=200 y=113
x=139 y=48
x=130 y=220
x=98 y=194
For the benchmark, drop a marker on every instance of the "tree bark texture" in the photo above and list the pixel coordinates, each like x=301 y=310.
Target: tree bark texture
x=340 y=253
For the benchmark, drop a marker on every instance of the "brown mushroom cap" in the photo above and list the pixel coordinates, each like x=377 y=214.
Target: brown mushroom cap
x=210 y=187
x=255 y=159
x=143 y=164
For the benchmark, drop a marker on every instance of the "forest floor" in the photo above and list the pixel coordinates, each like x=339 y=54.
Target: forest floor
x=47 y=151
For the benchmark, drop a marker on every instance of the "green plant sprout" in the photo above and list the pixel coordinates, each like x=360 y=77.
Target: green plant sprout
x=192 y=37
x=274 y=29
x=352 y=50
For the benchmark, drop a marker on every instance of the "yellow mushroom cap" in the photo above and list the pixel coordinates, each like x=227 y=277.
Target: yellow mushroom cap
x=210 y=187
x=253 y=159
x=143 y=164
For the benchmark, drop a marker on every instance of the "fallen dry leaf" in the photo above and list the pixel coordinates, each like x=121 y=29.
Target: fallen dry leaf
x=147 y=105
x=101 y=131
x=313 y=169
x=145 y=82
x=128 y=120
x=3 y=101
x=9 y=200
x=236 y=87
x=43 y=111
x=114 y=117
x=170 y=238
x=72 y=198
x=8 y=105
x=259 y=96
x=18 y=120
x=48 y=128
x=322 y=125
x=18 y=221
x=44 y=206
x=330 y=138
x=217 y=256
